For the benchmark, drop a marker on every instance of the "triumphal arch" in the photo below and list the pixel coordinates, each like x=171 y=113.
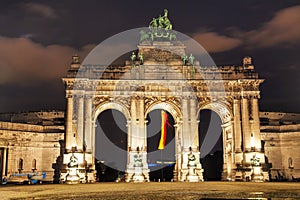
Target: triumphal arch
x=160 y=74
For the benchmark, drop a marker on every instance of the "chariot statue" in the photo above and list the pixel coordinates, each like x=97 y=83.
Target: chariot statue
x=159 y=29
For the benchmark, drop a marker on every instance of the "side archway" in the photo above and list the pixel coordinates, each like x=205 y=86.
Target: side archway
x=110 y=139
x=112 y=105
x=226 y=116
x=221 y=109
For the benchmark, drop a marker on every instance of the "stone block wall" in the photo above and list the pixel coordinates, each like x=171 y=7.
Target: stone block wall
x=280 y=133
x=30 y=148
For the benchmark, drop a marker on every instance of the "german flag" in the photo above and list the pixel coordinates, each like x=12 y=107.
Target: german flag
x=163 y=136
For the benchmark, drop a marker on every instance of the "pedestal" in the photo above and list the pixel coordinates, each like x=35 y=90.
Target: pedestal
x=192 y=176
x=257 y=175
x=73 y=176
x=137 y=167
x=191 y=169
x=138 y=175
x=77 y=168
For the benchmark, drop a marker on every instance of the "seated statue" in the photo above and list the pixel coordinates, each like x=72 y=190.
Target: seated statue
x=138 y=161
x=192 y=160
x=73 y=162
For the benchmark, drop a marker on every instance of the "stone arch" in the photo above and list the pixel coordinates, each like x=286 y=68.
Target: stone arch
x=112 y=105
x=168 y=106
x=226 y=115
x=113 y=151
x=221 y=109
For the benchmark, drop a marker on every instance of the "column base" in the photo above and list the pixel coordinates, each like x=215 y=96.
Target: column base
x=257 y=175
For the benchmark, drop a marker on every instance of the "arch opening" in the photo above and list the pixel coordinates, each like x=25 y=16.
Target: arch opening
x=211 y=144
x=110 y=145
x=161 y=162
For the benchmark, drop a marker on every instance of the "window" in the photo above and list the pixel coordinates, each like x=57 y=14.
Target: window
x=290 y=162
x=33 y=165
x=20 y=165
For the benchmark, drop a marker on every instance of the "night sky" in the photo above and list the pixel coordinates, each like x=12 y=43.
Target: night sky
x=38 y=38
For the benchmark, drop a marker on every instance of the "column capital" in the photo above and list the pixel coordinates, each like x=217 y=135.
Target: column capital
x=236 y=98
x=88 y=96
x=255 y=96
x=245 y=96
x=79 y=96
x=137 y=97
x=68 y=95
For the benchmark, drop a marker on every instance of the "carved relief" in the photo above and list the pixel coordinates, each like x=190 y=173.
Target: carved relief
x=68 y=84
x=123 y=100
x=100 y=99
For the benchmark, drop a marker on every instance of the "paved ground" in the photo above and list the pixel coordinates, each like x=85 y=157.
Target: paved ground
x=137 y=191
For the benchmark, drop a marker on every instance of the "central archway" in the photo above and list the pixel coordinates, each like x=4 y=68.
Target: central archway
x=166 y=170
x=161 y=162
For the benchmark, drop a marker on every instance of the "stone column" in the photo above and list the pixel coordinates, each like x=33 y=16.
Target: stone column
x=142 y=132
x=133 y=134
x=88 y=123
x=237 y=125
x=94 y=126
x=129 y=138
x=80 y=120
x=245 y=124
x=256 y=123
x=178 y=151
x=193 y=124
x=89 y=158
x=69 y=138
x=4 y=162
x=185 y=124
x=225 y=156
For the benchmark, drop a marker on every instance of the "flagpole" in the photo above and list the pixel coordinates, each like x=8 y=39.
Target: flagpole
x=162 y=171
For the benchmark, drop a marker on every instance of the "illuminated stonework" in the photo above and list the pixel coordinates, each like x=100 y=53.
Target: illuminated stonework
x=163 y=81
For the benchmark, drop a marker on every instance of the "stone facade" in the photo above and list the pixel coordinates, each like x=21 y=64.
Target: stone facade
x=281 y=137
x=26 y=148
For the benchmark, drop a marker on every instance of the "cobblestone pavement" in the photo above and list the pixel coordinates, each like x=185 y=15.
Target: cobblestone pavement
x=162 y=190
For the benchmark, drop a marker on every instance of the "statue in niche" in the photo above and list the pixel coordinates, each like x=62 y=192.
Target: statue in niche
x=191 y=159
x=255 y=161
x=73 y=161
x=138 y=158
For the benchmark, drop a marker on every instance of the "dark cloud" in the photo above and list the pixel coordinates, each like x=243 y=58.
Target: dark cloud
x=39 y=38
x=40 y=9
x=283 y=28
